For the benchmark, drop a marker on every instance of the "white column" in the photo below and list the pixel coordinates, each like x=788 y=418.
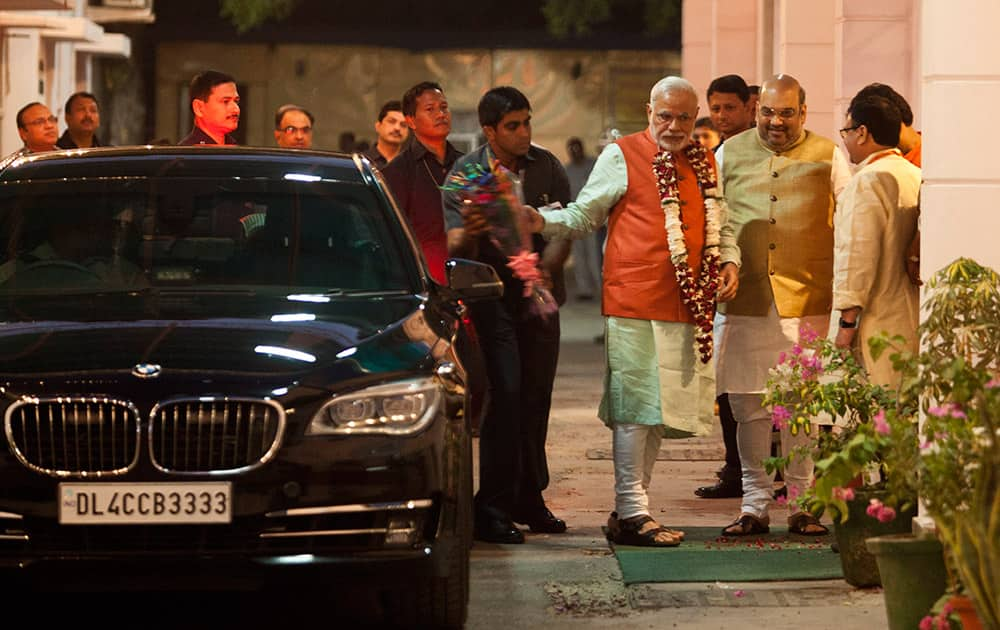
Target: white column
x=872 y=43
x=719 y=37
x=960 y=215
x=20 y=82
x=803 y=48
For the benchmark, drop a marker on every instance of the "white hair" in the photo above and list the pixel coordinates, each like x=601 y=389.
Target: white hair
x=671 y=84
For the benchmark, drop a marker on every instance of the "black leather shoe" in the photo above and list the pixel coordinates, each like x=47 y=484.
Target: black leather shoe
x=499 y=531
x=724 y=489
x=542 y=522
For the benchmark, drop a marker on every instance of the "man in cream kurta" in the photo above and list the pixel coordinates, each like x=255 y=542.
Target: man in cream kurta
x=875 y=221
x=656 y=383
x=780 y=182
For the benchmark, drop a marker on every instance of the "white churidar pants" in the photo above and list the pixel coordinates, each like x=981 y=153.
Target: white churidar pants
x=635 y=447
x=753 y=437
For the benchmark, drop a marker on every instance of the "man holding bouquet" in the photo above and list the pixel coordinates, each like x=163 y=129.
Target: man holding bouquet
x=670 y=256
x=519 y=340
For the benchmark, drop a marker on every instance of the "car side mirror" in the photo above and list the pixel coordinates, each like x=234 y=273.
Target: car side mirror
x=472 y=280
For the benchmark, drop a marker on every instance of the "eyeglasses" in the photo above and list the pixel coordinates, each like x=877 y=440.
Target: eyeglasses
x=52 y=120
x=666 y=118
x=788 y=112
x=291 y=129
x=843 y=132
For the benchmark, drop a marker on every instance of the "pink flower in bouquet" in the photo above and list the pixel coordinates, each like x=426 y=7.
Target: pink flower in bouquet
x=878 y=510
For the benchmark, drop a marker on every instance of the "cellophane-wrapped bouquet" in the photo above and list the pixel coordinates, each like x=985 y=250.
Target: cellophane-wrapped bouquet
x=491 y=191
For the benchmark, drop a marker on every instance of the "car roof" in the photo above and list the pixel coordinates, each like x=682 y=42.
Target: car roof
x=159 y=161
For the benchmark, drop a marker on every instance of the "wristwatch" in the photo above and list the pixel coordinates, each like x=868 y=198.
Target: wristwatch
x=846 y=324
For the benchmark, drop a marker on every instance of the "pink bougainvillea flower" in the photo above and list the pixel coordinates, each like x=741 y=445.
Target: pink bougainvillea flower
x=793 y=492
x=844 y=494
x=796 y=349
x=993 y=384
x=782 y=500
x=808 y=334
x=881 y=426
x=780 y=416
x=874 y=507
x=887 y=514
x=781 y=357
x=927 y=623
x=947 y=410
x=738 y=593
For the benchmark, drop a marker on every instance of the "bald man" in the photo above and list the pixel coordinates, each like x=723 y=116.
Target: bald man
x=781 y=181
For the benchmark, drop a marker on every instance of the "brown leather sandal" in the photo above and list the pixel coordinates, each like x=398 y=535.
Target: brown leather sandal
x=643 y=531
x=746 y=525
x=805 y=524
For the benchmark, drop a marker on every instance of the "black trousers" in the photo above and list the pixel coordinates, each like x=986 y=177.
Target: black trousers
x=732 y=471
x=521 y=355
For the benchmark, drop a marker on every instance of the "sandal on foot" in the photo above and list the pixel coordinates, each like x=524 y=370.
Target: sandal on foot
x=746 y=525
x=643 y=531
x=805 y=524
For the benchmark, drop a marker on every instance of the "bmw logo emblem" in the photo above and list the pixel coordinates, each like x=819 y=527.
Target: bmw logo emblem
x=146 y=370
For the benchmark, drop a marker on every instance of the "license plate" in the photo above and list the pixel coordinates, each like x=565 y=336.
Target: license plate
x=145 y=503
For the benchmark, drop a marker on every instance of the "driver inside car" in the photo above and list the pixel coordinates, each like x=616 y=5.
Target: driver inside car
x=82 y=252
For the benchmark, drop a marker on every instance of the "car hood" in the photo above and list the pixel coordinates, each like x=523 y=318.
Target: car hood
x=371 y=335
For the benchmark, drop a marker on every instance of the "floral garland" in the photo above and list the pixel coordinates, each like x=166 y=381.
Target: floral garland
x=698 y=293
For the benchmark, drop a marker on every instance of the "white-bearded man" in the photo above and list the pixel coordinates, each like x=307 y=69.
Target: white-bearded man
x=670 y=255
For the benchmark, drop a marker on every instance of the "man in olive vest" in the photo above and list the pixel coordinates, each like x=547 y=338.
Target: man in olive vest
x=781 y=182
x=658 y=192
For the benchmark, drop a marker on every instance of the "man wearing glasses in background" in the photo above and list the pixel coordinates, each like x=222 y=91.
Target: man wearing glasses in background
x=38 y=128
x=293 y=127
x=781 y=184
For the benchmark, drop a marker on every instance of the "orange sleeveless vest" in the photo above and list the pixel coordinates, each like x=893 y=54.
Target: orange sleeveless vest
x=639 y=279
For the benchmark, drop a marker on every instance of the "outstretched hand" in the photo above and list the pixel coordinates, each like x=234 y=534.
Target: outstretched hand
x=534 y=219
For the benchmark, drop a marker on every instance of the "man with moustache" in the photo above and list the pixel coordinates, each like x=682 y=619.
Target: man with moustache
x=216 y=106
x=83 y=117
x=38 y=129
x=729 y=105
x=293 y=127
x=780 y=181
x=669 y=252
x=416 y=174
x=521 y=348
x=391 y=129
x=731 y=110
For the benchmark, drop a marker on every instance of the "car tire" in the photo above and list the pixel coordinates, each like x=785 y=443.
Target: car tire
x=442 y=602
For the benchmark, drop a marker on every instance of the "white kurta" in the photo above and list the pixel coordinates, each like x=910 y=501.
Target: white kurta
x=875 y=221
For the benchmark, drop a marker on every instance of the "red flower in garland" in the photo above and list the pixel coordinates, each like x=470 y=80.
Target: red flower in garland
x=698 y=292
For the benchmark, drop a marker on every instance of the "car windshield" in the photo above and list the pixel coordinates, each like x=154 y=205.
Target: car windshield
x=112 y=235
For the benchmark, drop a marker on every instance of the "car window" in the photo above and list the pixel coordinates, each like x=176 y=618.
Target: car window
x=199 y=234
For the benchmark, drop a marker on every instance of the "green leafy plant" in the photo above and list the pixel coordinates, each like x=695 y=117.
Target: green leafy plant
x=950 y=458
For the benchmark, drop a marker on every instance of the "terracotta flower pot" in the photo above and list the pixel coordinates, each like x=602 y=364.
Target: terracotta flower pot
x=966 y=611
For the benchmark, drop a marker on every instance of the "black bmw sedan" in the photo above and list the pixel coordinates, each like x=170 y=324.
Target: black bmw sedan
x=232 y=361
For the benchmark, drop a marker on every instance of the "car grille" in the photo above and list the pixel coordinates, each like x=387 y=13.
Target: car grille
x=74 y=436
x=214 y=435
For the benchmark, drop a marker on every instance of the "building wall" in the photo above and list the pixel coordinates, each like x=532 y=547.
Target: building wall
x=960 y=80
x=572 y=92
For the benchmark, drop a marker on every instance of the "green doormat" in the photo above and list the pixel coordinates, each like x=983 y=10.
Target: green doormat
x=704 y=556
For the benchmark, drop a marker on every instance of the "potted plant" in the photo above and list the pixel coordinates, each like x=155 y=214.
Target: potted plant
x=817 y=381
x=951 y=460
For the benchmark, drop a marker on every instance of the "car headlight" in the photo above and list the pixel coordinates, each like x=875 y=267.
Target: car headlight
x=395 y=408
